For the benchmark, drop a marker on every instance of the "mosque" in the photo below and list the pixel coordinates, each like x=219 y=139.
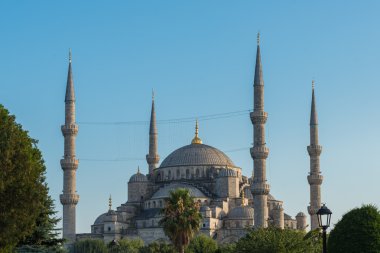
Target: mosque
x=230 y=202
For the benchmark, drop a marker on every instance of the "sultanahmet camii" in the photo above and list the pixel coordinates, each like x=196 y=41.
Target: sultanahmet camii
x=230 y=202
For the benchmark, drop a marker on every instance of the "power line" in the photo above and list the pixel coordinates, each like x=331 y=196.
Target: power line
x=171 y=121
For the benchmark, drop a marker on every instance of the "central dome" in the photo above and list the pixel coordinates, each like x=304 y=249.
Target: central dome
x=197 y=154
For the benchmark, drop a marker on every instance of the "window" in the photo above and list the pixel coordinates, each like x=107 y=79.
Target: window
x=178 y=174
x=187 y=174
x=197 y=173
x=170 y=174
x=109 y=228
x=154 y=204
x=204 y=225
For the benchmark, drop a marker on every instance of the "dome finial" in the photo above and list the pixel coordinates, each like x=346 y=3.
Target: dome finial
x=152 y=94
x=110 y=202
x=70 y=55
x=312 y=84
x=242 y=197
x=196 y=139
x=138 y=169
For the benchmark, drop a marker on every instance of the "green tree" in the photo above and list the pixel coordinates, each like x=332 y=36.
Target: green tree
x=276 y=240
x=45 y=236
x=227 y=248
x=181 y=218
x=202 y=244
x=24 y=196
x=125 y=246
x=158 y=247
x=357 y=231
x=89 y=246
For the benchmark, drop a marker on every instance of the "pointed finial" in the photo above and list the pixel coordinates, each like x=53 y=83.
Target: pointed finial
x=70 y=55
x=312 y=84
x=152 y=94
x=138 y=169
x=258 y=38
x=196 y=139
x=110 y=202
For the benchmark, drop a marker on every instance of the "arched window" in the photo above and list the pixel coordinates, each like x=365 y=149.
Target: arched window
x=187 y=173
x=154 y=204
x=170 y=174
x=178 y=174
x=197 y=173
x=149 y=205
x=160 y=203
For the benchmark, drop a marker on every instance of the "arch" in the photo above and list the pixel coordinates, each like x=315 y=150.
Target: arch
x=154 y=204
x=178 y=174
x=197 y=173
x=187 y=174
x=169 y=174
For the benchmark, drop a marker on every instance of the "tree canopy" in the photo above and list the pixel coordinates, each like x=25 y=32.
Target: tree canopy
x=357 y=231
x=276 y=240
x=202 y=244
x=26 y=209
x=181 y=218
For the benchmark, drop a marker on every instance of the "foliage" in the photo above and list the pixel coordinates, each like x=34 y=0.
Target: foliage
x=202 y=244
x=126 y=246
x=89 y=246
x=24 y=206
x=357 y=231
x=181 y=218
x=45 y=236
x=227 y=248
x=276 y=240
x=158 y=247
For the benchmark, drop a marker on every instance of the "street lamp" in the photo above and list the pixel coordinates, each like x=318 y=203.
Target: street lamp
x=324 y=218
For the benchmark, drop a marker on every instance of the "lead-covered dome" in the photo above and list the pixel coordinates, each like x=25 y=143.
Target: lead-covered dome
x=197 y=154
x=138 y=177
x=241 y=212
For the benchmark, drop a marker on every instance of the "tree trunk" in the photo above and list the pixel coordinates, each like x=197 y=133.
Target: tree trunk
x=182 y=249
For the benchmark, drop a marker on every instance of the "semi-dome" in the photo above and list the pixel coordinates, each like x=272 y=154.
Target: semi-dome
x=138 y=177
x=197 y=154
x=165 y=191
x=241 y=212
x=301 y=214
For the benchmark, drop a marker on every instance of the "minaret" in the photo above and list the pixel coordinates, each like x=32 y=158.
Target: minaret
x=152 y=158
x=315 y=178
x=69 y=163
x=259 y=152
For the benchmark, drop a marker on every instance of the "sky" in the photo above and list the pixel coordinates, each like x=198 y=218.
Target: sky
x=199 y=57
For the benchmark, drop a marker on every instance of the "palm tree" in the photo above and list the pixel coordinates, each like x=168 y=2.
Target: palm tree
x=181 y=218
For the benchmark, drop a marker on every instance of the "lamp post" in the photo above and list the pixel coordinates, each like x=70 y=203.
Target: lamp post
x=324 y=218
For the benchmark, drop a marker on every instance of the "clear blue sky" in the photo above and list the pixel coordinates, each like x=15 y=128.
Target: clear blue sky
x=198 y=56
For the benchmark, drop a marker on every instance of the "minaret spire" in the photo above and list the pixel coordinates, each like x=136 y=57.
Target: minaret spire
x=196 y=139
x=69 y=198
x=259 y=152
x=152 y=157
x=314 y=178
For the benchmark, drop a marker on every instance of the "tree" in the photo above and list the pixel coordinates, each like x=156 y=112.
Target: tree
x=125 y=246
x=25 y=206
x=181 y=218
x=202 y=244
x=89 y=246
x=357 y=231
x=276 y=240
x=158 y=247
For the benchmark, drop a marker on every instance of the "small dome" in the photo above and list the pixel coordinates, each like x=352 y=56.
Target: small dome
x=138 y=177
x=110 y=216
x=301 y=214
x=241 y=212
x=227 y=173
x=100 y=219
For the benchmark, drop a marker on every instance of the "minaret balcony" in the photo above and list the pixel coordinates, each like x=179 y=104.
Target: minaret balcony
x=260 y=188
x=315 y=179
x=258 y=117
x=69 y=199
x=69 y=163
x=69 y=129
x=152 y=159
x=314 y=150
x=259 y=152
